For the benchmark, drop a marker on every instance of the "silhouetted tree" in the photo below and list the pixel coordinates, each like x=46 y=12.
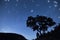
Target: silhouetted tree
x=40 y=23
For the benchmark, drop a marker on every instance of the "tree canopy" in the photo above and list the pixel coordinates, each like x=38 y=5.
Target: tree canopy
x=40 y=23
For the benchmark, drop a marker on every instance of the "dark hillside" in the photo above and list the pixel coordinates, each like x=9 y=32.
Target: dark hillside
x=11 y=36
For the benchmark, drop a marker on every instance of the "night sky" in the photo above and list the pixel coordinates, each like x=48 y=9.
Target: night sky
x=14 y=13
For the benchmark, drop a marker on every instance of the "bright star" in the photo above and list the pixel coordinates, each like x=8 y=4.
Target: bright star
x=48 y=1
x=31 y=10
x=55 y=5
x=55 y=2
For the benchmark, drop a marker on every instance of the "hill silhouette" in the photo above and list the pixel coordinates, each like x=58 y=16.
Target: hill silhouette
x=11 y=36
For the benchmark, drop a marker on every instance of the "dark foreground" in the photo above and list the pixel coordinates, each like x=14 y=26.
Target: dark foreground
x=53 y=35
x=11 y=36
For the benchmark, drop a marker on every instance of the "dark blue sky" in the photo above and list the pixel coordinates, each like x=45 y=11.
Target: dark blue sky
x=14 y=13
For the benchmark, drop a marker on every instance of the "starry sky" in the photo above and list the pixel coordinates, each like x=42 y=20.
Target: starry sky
x=14 y=13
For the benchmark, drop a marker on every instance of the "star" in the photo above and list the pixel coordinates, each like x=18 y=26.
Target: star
x=55 y=5
x=50 y=6
x=8 y=11
x=31 y=10
x=58 y=16
x=59 y=8
x=37 y=4
x=6 y=7
x=25 y=5
x=7 y=0
x=55 y=2
x=16 y=4
x=48 y=1
x=17 y=0
x=33 y=1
